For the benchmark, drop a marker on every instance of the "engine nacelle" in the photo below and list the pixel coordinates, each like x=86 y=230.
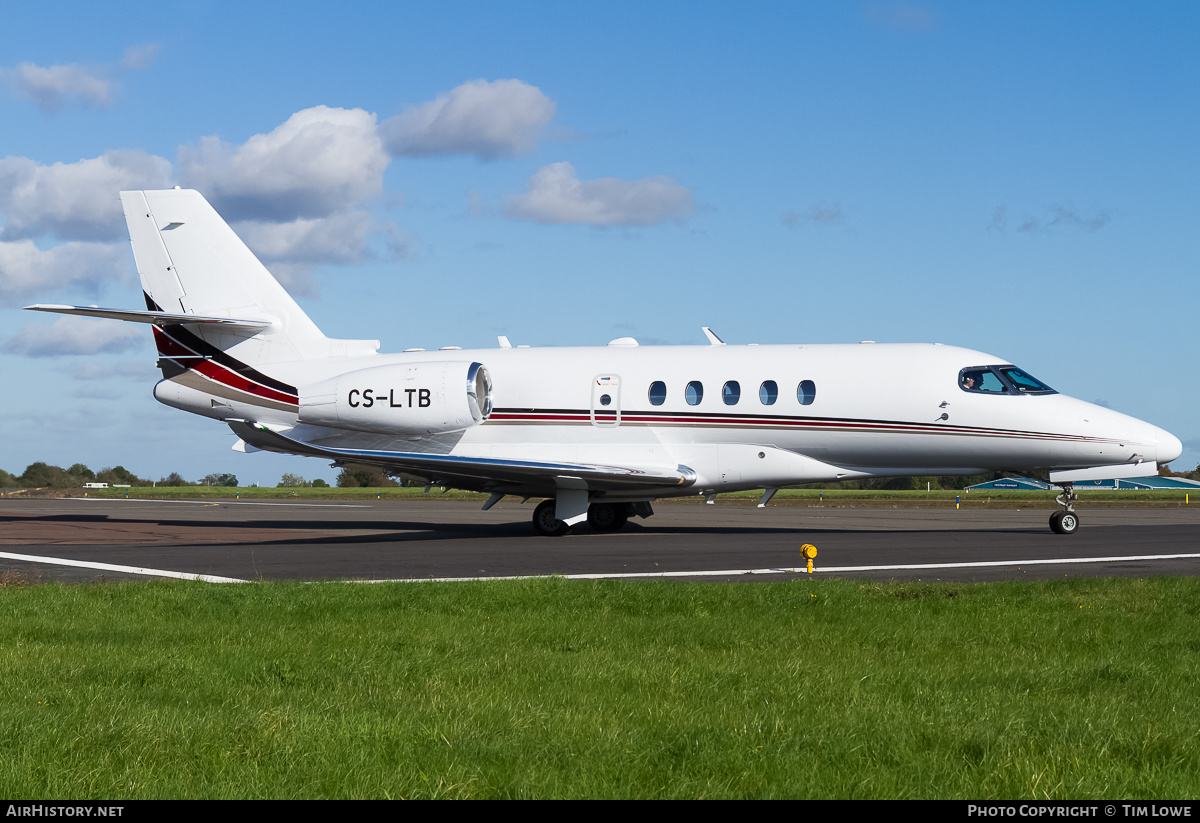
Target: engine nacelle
x=404 y=399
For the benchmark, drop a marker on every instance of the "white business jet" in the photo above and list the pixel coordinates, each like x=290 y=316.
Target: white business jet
x=599 y=431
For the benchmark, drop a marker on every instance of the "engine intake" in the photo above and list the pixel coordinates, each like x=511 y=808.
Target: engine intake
x=402 y=399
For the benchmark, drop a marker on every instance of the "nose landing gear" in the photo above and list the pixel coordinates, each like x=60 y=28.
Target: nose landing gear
x=1066 y=521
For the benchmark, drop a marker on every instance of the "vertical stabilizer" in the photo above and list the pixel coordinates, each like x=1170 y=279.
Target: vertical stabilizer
x=190 y=261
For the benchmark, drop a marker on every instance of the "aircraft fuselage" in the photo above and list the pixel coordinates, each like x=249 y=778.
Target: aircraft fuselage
x=822 y=412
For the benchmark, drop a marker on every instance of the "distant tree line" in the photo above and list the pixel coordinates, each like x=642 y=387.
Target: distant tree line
x=43 y=475
x=295 y=481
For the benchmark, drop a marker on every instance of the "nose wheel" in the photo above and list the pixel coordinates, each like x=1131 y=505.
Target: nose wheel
x=1064 y=522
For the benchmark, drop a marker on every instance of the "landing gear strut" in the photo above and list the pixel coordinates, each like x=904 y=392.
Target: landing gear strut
x=1066 y=521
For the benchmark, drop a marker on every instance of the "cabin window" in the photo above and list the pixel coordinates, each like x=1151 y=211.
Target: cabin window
x=694 y=393
x=806 y=392
x=731 y=392
x=605 y=400
x=768 y=392
x=658 y=393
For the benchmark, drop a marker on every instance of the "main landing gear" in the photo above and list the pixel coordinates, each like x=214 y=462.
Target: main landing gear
x=1066 y=521
x=602 y=517
x=544 y=521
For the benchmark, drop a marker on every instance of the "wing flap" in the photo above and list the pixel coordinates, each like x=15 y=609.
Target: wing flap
x=483 y=473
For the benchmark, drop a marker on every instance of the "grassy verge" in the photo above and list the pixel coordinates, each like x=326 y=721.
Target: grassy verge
x=551 y=688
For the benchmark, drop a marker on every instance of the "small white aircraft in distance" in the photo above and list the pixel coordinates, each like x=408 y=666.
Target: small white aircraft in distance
x=598 y=431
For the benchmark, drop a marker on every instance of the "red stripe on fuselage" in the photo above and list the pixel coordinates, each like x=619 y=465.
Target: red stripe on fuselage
x=171 y=348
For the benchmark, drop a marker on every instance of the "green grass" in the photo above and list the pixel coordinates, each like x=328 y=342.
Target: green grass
x=1080 y=689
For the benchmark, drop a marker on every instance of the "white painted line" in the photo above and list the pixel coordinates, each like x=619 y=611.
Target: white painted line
x=110 y=567
x=209 y=578
x=801 y=570
x=984 y=563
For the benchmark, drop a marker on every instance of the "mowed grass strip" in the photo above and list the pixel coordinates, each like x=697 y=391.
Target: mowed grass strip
x=553 y=688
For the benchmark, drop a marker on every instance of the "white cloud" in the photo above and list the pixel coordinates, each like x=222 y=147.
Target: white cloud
x=54 y=88
x=822 y=215
x=901 y=16
x=139 y=371
x=339 y=238
x=320 y=161
x=500 y=118
x=291 y=250
x=556 y=195
x=27 y=271
x=1055 y=219
x=76 y=335
x=1060 y=218
x=139 y=57
x=79 y=200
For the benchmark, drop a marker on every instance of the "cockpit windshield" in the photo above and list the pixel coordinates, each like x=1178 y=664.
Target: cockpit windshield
x=1001 y=380
x=1025 y=383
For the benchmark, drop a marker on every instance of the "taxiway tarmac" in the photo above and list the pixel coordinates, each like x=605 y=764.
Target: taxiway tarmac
x=388 y=540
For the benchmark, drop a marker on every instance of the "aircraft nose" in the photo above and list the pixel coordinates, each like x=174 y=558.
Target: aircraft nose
x=1169 y=447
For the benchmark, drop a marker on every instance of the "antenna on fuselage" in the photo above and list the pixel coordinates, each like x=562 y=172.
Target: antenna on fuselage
x=712 y=336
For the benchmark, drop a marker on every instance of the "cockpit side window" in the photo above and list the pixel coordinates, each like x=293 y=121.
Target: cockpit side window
x=981 y=380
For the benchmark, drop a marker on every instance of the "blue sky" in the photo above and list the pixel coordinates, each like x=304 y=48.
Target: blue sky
x=1019 y=178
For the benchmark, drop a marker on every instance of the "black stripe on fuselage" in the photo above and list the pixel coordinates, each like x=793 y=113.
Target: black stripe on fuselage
x=207 y=350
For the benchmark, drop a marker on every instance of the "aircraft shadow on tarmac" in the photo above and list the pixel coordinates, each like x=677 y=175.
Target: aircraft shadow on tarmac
x=386 y=531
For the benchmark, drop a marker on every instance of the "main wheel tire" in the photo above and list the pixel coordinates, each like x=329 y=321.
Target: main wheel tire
x=607 y=517
x=544 y=521
x=1064 y=522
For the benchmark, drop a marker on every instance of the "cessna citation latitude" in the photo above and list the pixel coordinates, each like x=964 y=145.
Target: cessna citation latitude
x=601 y=431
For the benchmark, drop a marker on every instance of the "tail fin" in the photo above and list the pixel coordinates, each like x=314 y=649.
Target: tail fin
x=192 y=263
x=231 y=340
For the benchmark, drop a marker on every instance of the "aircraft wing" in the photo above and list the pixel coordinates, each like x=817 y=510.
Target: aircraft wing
x=158 y=318
x=477 y=473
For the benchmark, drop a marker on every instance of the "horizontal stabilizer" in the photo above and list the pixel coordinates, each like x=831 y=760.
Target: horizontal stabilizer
x=1146 y=468
x=158 y=318
x=473 y=472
